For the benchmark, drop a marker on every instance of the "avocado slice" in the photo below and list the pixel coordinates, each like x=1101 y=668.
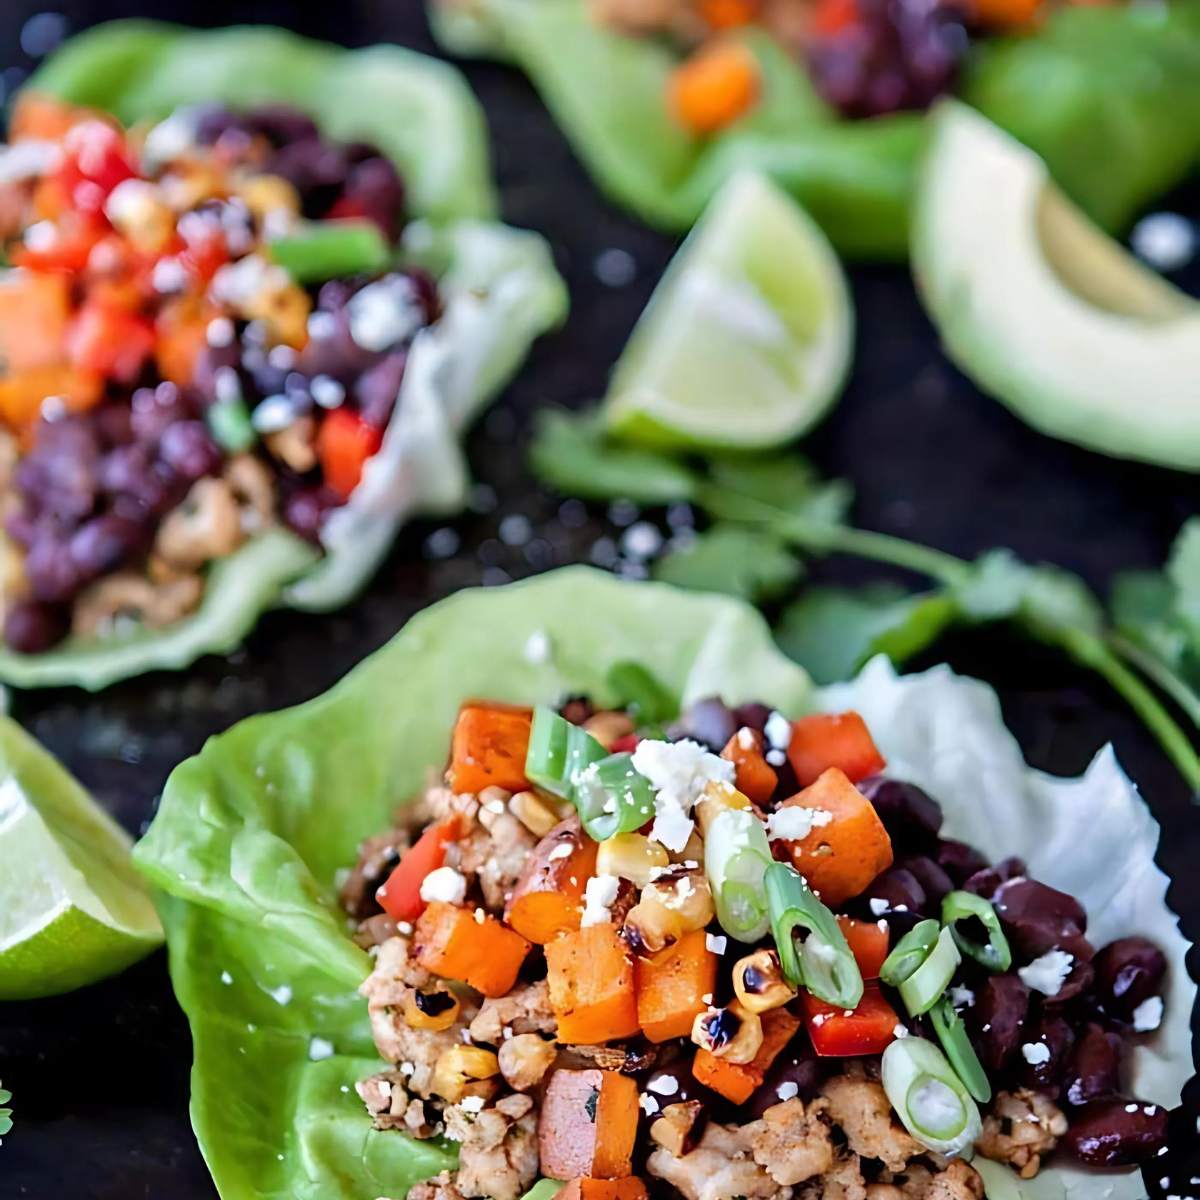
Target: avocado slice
x=1042 y=309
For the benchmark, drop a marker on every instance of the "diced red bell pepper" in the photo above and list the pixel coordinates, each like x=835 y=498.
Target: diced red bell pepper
x=827 y=740
x=870 y=943
x=869 y=1029
x=70 y=250
x=344 y=444
x=96 y=158
x=401 y=894
x=109 y=341
x=833 y=16
x=203 y=257
x=625 y=744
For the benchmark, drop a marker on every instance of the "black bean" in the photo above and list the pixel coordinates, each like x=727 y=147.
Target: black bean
x=931 y=877
x=959 y=860
x=1094 y=1066
x=1038 y=918
x=54 y=576
x=752 y=716
x=154 y=409
x=985 y=882
x=305 y=509
x=30 y=627
x=374 y=187
x=189 y=450
x=379 y=388
x=797 y=1065
x=997 y=1020
x=911 y=816
x=1129 y=972
x=103 y=544
x=710 y=722
x=1116 y=1132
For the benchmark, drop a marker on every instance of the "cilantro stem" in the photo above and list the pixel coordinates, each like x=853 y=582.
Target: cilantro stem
x=1104 y=656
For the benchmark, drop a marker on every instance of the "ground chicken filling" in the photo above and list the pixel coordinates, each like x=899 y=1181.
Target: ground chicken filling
x=203 y=336
x=579 y=976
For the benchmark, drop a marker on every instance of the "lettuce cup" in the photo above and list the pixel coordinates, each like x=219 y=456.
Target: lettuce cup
x=256 y=296
x=579 y=883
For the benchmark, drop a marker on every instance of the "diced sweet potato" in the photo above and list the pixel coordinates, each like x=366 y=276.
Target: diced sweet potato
x=738 y=1081
x=489 y=747
x=675 y=986
x=548 y=898
x=756 y=778
x=841 y=857
x=590 y=976
x=629 y=1188
x=588 y=1125
x=869 y=941
x=827 y=740
x=455 y=944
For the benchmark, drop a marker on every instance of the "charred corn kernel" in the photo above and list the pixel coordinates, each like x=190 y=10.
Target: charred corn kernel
x=608 y=727
x=457 y=1067
x=266 y=194
x=137 y=209
x=284 y=311
x=717 y=796
x=692 y=853
x=759 y=984
x=683 y=891
x=630 y=856
x=434 y=1011
x=536 y=814
x=731 y=1033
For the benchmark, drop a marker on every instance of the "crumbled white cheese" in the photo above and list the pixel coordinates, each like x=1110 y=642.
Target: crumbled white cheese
x=962 y=997
x=471 y=1104
x=281 y=995
x=877 y=905
x=444 y=884
x=1148 y=1015
x=169 y=276
x=562 y=850
x=319 y=1048
x=1035 y=1053
x=249 y=277
x=746 y=738
x=794 y=822
x=598 y=897
x=776 y=758
x=537 y=647
x=1166 y=240
x=665 y=1085
x=219 y=332
x=1048 y=973
x=778 y=731
x=273 y=414
x=385 y=313
x=648 y=1103
x=788 y=1090
x=715 y=942
x=641 y=541
x=170 y=139
x=28 y=159
x=900 y=1031
x=326 y=391
x=321 y=327
x=128 y=200
x=678 y=772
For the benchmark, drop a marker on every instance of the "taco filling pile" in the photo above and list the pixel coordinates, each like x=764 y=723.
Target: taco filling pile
x=201 y=337
x=730 y=957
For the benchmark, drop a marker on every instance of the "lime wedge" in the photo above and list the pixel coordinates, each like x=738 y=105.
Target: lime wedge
x=747 y=338
x=72 y=910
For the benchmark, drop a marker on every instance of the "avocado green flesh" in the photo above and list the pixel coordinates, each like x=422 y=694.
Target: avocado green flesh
x=1044 y=311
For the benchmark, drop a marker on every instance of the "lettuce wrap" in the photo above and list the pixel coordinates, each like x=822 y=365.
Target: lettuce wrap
x=252 y=833
x=498 y=286
x=1093 y=87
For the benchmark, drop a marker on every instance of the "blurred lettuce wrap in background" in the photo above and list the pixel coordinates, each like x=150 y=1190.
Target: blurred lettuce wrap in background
x=1109 y=96
x=497 y=285
x=252 y=833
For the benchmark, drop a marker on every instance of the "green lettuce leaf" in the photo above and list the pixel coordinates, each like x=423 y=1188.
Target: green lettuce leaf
x=498 y=285
x=251 y=834
x=1093 y=87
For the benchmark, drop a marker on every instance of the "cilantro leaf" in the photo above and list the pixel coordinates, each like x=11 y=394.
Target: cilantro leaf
x=832 y=631
x=1001 y=586
x=786 y=482
x=734 y=559
x=5 y=1113
x=572 y=453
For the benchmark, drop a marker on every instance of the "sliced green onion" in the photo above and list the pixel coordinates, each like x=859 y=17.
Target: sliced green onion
x=823 y=962
x=229 y=423
x=650 y=702
x=320 y=250
x=736 y=858
x=612 y=797
x=909 y=953
x=928 y=983
x=558 y=752
x=952 y=1033
x=928 y=1097
x=994 y=954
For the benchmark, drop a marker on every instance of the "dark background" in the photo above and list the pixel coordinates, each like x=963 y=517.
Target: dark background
x=100 y=1078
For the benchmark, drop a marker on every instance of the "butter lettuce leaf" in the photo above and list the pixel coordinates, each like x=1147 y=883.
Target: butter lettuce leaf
x=251 y=834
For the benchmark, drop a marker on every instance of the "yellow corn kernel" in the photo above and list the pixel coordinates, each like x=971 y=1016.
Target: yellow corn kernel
x=718 y=796
x=630 y=856
x=538 y=815
x=457 y=1067
x=136 y=209
x=265 y=194
x=189 y=183
x=431 y=1010
x=284 y=311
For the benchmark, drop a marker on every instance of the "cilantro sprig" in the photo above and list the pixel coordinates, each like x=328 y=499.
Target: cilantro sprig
x=6 y=1123
x=768 y=513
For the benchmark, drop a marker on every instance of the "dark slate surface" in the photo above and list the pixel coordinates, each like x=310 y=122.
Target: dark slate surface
x=100 y=1078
